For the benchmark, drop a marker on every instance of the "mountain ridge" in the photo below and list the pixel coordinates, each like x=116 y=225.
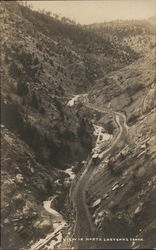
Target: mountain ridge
x=45 y=62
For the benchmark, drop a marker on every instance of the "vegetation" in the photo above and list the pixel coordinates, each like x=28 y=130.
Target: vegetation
x=68 y=135
x=10 y=116
x=35 y=102
x=15 y=70
x=42 y=111
x=22 y=88
x=122 y=29
x=59 y=107
x=57 y=58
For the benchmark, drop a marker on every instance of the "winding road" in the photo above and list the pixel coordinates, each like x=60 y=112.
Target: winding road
x=84 y=227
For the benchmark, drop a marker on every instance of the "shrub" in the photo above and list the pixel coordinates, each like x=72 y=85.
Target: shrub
x=60 y=89
x=15 y=70
x=10 y=116
x=42 y=111
x=51 y=62
x=132 y=89
x=59 y=107
x=39 y=46
x=32 y=137
x=22 y=89
x=36 y=61
x=110 y=127
x=6 y=59
x=132 y=119
x=81 y=129
x=34 y=102
x=68 y=135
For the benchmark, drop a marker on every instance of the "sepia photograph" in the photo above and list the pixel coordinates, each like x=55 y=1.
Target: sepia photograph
x=78 y=124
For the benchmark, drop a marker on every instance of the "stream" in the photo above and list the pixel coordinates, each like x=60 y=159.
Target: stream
x=52 y=240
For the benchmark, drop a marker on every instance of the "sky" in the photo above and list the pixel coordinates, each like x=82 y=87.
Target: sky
x=87 y=12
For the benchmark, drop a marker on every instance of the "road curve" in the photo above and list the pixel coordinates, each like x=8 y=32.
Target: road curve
x=84 y=226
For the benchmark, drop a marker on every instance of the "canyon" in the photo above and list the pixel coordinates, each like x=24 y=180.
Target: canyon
x=78 y=130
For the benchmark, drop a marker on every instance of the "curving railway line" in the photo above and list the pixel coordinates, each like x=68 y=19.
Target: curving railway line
x=84 y=227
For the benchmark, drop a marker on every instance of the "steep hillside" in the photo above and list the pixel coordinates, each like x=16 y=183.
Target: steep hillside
x=128 y=90
x=139 y=35
x=82 y=53
x=41 y=135
x=45 y=63
x=121 y=192
x=25 y=184
x=36 y=88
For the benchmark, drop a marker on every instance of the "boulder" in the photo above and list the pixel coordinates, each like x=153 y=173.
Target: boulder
x=138 y=209
x=96 y=203
x=19 y=179
x=43 y=225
